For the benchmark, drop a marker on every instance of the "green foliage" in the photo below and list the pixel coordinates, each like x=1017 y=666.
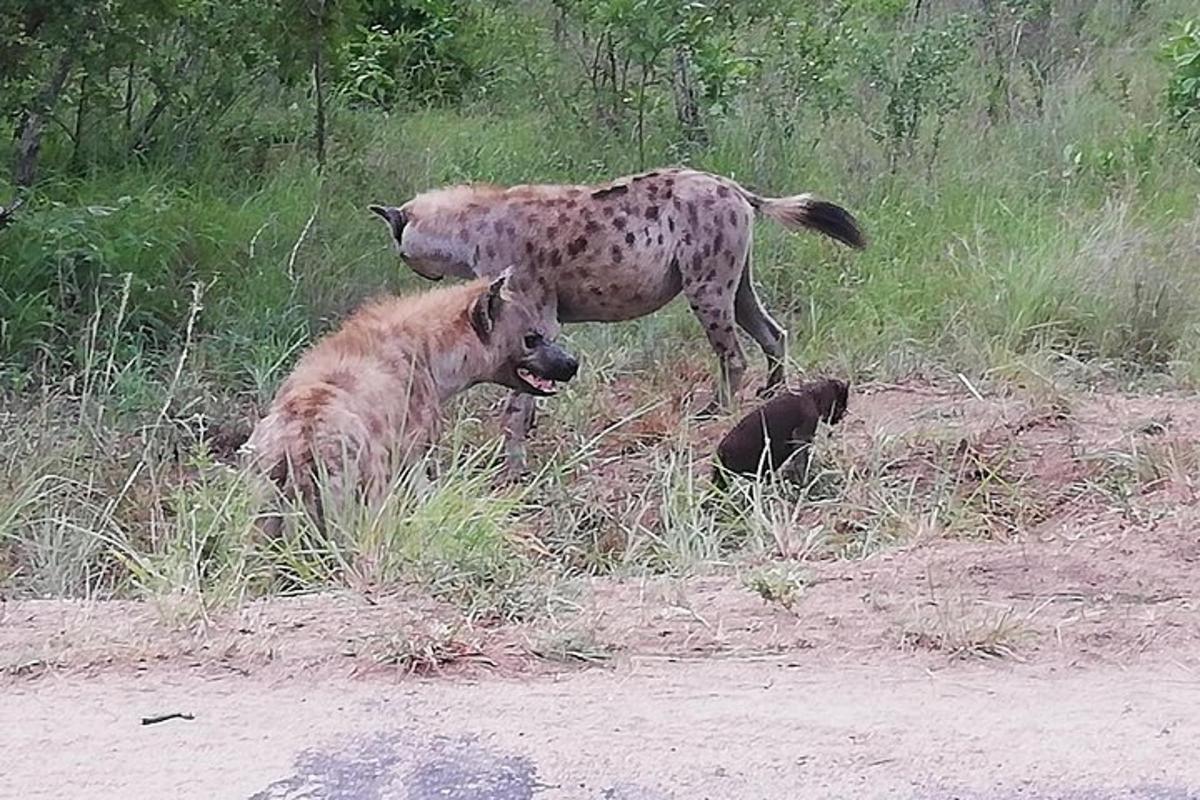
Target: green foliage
x=1182 y=54
x=923 y=80
x=419 y=51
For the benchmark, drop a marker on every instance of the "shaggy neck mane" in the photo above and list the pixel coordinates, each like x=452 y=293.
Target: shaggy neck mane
x=430 y=334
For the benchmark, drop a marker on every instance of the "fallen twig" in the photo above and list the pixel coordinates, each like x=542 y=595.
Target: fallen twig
x=165 y=717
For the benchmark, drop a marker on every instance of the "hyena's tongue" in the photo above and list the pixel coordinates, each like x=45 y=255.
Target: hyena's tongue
x=537 y=382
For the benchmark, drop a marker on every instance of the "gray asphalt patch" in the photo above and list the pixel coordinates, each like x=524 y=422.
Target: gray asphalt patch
x=394 y=766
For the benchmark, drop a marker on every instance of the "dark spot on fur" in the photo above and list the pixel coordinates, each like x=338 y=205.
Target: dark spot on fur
x=529 y=248
x=617 y=255
x=718 y=241
x=729 y=283
x=607 y=211
x=619 y=223
x=660 y=238
x=712 y=326
x=711 y=276
x=571 y=203
x=722 y=191
x=556 y=257
x=552 y=231
x=630 y=238
x=652 y=212
x=463 y=235
x=693 y=218
x=671 y=224
x=577 y=246
x=687 y=238
x=562 y=218
x=595 y=290
x=707 y=250
x=668 y=194
x=733 y=218
x=498 y=227
x=708 y=202
x=697 y=262
x=612 y=191
x=592 y=226
x=343 y=379
x=308 y=405
x=652 y=190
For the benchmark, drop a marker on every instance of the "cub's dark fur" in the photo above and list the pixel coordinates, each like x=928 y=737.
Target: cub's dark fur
x=781 y=426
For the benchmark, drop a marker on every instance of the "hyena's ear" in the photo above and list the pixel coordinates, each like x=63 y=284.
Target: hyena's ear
x=486 y=308
x=394 y=217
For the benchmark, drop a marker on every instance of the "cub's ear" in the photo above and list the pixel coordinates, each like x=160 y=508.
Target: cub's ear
x=485 y=310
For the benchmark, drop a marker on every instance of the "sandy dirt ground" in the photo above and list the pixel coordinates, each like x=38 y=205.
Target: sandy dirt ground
x=1049 y=650
x=711 y=729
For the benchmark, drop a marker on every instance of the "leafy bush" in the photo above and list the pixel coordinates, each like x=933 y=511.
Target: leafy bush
x=1182 y=53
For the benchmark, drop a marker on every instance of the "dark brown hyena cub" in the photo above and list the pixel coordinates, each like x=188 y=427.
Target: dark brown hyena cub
x=781 y=426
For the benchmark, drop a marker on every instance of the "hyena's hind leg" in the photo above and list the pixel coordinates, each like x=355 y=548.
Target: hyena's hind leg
x=754 y=320
x=713 y=306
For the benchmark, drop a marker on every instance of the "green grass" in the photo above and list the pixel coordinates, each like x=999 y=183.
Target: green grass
x=1052 y=249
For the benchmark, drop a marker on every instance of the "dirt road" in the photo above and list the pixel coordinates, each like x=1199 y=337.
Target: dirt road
x=647 y=729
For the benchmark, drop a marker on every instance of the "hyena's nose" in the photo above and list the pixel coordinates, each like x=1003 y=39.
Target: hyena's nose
x=570 y=366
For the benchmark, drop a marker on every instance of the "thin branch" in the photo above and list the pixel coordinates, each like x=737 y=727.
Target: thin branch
x=6 y=212
x=291 y=265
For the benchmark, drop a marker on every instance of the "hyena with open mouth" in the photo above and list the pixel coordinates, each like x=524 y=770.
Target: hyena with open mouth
x=366 y=401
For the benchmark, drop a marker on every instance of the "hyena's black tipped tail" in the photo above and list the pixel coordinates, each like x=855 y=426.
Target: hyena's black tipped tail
x=805 y=212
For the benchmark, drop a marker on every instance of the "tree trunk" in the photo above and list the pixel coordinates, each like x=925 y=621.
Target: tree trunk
x=129 y=98
x=80 y=117
x=687 y=109
x=641 y=120
x=142 y=140
x=319 y=91
x=29 y=136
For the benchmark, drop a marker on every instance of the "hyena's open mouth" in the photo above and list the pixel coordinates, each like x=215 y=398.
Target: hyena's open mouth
x=542 y=385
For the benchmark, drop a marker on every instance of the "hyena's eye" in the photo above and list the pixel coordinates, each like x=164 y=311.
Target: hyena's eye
x=532 y=340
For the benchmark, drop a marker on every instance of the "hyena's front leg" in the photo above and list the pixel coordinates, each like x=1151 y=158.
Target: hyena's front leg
x=518 y=420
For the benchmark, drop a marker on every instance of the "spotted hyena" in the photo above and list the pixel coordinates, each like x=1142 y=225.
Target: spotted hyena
x=617 y=251
x=366 y=400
